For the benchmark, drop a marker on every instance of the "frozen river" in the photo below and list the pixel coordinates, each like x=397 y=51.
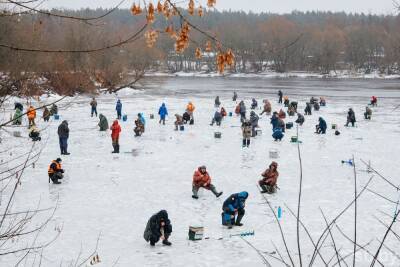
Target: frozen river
x=112 y=196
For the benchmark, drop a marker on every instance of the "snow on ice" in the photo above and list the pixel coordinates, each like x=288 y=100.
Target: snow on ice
x=114 y=195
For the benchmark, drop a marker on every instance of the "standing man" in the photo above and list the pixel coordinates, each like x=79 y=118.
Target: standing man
x=115 y=131
x=93 y=104
x=31 y=116
x=280 y=94
x=63 y=135
x=118 y=108
x=163 y=112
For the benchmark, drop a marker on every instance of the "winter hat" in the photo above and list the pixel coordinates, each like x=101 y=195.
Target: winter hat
x=275 y=164
x=163 y=215
x=243 y=194
x=58 y=160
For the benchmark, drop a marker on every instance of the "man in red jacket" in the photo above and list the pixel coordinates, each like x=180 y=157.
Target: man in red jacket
x=201 y=179
x=270 y=179
x=116 y=129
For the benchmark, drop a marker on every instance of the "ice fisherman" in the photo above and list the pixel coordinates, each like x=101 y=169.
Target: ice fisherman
x=118 y=108
x=246 y=132
x=321 y=127
x=351 y=117
x=46 y=114
x=270 y=178
x=139 y=125
x=280 y=95
x=233 y=209
x=201 y=179
x=63 y=135
x=55 y=171
x=300 y=119
x=217 y=118
x=163 y=112
x=93 y=104
x=158 y=227
x=103 y=123
x=115 y=131
x=31 y=116
x=367 y=113
x=217 y=102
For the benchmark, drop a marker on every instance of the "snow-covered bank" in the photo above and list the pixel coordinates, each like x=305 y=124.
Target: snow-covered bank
x=270 y=74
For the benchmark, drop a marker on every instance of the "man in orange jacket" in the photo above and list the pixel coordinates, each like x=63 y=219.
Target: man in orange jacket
x=201 y=179
x=55 y=171
x=190 y=109
x=31 y=116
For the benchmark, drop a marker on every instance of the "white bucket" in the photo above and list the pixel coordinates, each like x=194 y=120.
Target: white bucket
x=17 y=133
x=258 y=132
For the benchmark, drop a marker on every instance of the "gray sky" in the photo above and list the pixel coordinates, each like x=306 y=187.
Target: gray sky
x=275 y=6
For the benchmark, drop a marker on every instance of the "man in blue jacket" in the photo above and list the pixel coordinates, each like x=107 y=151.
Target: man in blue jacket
x=118 y=108
x=234 y=205
x=321 y=127
x=163 y=112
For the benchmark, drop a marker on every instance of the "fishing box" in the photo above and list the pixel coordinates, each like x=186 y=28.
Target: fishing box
x=273 y=154
x=334 y=126
x=217 y=135
x=258 y=132
x=125 y=117
x=230 y=114
x=196 y=233
x=17 y=133
x=56 y=117
x=289 y=125
x=182 y=127
x=294 y=139
x=151 y=116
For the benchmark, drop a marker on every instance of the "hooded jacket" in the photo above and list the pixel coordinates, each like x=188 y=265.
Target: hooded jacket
x=63 y=130
x=270 y=177
x=201 y=179
x=254 y=119
x=235 y=201
x=115 y=130
x=322 y=124
x=153 y=227
x=118 y=107
x=31 y=113
x=103 y=123
x=17 y=116
x=163 y=111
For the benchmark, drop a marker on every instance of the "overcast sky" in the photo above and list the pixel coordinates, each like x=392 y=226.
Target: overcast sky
x=274 y=6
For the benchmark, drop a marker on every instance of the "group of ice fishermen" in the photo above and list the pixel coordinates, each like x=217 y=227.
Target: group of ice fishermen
x=233 y=208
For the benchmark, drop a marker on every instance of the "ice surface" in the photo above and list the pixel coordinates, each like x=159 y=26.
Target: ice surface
x=116 y=194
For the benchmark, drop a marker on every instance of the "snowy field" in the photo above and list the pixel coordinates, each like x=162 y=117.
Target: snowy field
x=113 y=196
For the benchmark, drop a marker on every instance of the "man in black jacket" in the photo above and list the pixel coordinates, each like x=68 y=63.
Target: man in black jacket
x=63 y=134
x=158 y=227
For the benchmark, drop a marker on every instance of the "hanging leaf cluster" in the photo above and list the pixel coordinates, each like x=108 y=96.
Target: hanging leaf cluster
x=181 y=36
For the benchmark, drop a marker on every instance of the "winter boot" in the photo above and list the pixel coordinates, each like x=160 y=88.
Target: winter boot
x=195 y=197
x=166 y=242
x=115 y=148
x=239 y=219
x=152 y=243
x=264 y=189
x=219 y=194
x=244 y=143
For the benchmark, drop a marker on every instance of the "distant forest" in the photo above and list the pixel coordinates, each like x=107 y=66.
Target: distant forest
x=312 y=41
